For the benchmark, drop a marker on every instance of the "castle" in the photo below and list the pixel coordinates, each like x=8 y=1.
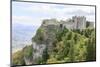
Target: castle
x=76 y=22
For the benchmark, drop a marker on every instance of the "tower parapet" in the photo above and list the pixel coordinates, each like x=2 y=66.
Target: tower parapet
x=79 y=22
x=76 y=22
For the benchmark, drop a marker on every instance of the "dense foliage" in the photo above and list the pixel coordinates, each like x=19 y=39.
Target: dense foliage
x=28 y=51
x=18 y=57
x=68 y=46
x=74 y=46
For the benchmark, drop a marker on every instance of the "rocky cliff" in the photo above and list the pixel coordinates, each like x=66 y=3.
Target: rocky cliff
x=44 y=38
x=54 y=43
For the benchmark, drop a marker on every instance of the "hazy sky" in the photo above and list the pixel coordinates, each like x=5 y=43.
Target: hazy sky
x=33 y=13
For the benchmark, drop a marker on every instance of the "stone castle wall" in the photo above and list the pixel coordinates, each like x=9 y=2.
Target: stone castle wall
x=76 y=22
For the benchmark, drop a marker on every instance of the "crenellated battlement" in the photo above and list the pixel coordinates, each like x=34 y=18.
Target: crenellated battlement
x=76 y=22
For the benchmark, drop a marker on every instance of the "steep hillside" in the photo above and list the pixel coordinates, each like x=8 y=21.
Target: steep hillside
x=56 y=44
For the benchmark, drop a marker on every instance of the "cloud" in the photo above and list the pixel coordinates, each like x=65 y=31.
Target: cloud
x=26 y=20
x=80 y=13
x=34 y=13
x=61 y=10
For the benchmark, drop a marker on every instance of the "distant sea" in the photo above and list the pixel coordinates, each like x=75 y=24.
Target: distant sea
x=22 y=35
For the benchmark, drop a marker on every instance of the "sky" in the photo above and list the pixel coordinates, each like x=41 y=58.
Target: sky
x=33 y=13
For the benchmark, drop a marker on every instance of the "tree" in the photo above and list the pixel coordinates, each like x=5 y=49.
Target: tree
x=17 y=58
x=45 y=56
x=91 y=48
x=28 y=51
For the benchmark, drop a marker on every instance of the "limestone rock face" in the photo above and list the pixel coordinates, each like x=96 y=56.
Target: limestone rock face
x=45 y=35
x=38 y=51
x=28 y=61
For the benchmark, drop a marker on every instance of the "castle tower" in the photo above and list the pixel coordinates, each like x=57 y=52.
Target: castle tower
x=79 y=22
x=74 y=18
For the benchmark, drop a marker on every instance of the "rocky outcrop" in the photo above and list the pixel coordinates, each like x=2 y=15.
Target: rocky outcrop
x=46 y=36
x=38 y=51
x=42 y=42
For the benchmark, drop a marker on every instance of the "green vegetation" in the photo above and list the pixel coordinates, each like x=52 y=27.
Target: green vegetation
x=28 y=51
x=43 y=59
x=39 y=36
x=74 y=46
x=67 y=46
x=17 y=58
